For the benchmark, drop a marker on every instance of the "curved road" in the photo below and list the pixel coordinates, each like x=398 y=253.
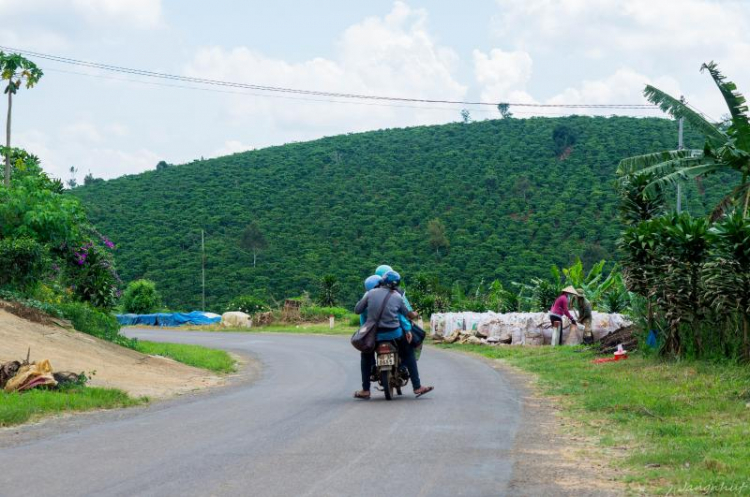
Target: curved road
x=295 y=431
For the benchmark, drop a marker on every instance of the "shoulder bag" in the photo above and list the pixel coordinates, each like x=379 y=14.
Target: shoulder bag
x=364 y=338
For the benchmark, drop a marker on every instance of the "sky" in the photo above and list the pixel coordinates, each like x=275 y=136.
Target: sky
x=518 y=51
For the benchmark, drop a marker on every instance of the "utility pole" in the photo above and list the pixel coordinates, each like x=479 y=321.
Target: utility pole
x=680 y=147
x=203 y=269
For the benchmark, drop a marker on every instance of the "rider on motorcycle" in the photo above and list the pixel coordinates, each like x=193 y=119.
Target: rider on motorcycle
x=389 y=329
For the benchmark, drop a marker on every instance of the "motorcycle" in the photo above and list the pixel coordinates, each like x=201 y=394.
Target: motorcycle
x=388 y=371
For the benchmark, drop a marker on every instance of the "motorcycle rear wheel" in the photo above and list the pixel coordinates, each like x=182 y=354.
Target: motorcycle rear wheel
x=385 y=382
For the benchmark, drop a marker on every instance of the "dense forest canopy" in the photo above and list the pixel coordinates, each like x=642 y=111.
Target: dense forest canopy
x=513 y=196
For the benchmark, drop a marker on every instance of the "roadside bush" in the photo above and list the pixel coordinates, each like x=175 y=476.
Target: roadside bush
x=45 y=307
x=247 y=304
x=93 y=276
x=316 y=313
x=95 y=322
x=141 y=297
x=22 y=262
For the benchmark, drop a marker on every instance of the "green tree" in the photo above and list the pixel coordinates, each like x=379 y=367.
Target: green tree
x=437 y=236
x=504 y=109
x=141 y=297
x=725 y=149
x=253 y=239
x=465 y=116
x=73 y=182
x=564 y=137
x=329 y=290
x=17 y=71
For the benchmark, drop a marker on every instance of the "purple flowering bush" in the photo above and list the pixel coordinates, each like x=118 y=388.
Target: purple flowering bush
x=91 y=273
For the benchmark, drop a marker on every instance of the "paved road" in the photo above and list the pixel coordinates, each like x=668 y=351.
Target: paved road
x=295 y=431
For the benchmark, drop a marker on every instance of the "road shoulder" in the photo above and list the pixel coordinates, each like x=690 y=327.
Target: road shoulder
x=552 y=455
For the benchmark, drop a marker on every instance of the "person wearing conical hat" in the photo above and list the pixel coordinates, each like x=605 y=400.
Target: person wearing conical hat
x=561 y=308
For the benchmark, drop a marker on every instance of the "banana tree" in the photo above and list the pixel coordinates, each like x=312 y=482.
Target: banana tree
x=17 y=70
x=724 y=150
x=727 y=276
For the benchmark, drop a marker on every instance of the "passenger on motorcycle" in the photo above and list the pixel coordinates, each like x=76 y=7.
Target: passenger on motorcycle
x=389 y=329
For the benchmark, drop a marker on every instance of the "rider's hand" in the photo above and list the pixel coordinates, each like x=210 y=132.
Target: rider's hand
x=408 y=336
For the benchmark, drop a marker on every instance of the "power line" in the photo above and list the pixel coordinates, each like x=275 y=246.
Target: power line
x=305 y=99
x=278 y=89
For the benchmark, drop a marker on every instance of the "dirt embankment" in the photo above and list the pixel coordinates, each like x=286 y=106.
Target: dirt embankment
x=116 y=367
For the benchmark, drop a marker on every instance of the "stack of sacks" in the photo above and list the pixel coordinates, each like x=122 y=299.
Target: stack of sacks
x=236 y=319
x=32 y=375
x=518 y=328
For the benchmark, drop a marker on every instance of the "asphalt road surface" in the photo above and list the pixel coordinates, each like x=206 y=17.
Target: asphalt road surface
x=295 y=431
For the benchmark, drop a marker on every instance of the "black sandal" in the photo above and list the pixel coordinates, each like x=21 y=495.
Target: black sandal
x=426 y=390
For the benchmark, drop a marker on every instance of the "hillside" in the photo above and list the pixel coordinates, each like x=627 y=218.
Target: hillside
x=515 y=196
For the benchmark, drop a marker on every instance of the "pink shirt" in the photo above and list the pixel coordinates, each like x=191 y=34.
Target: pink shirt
x=560 y=307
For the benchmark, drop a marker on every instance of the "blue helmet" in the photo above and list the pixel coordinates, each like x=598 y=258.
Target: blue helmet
x=382 y=269
x=391 y=279
x=372 y=281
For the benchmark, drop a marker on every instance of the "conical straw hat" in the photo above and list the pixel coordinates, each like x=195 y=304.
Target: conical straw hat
x=571 y=290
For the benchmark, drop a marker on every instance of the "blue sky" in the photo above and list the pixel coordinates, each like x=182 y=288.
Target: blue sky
x=533 y=51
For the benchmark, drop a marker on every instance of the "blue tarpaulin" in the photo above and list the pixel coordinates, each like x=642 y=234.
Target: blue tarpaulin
x=168 y=319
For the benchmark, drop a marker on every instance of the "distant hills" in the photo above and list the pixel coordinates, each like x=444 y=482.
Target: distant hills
x=513 y=195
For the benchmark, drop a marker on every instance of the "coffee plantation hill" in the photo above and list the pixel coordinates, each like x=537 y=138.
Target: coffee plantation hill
x=514 y=197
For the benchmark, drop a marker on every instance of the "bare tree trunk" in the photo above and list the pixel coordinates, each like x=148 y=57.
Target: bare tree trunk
x=254 y=257
x=7 y=141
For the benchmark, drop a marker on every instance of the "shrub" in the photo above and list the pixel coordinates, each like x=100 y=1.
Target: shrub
x=45 y=307
x=22 y=261
x=141 y=297
x=247 y=304
x=95 y=322
x=315 y=313
x=93 y=276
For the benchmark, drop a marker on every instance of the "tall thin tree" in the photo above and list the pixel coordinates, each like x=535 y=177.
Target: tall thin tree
x=253 y=239
x=18 y=71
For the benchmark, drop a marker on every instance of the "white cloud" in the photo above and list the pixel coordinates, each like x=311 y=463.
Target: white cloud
x=231 y=147
x=503 y=76
x=624 y=85
x=141 y=13
x=81 y=131
x=138 y=13
x=33 y=39
x=83 y=146
x=393 y=55
x=618 y=46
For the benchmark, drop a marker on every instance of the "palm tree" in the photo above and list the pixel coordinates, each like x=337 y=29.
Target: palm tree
x=17 y=70
x=725 y=149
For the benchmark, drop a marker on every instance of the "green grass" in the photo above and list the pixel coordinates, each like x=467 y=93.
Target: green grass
x=303 y=328
x=214 y=360
x=685 y=425
x=17 y=408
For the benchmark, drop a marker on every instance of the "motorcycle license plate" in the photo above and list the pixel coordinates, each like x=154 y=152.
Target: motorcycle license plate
x=386 y=359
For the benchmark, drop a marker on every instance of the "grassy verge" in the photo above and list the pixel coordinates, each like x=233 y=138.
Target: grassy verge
x=685 y=425
x=214 y=360
x=17 y=408
x=302 y=328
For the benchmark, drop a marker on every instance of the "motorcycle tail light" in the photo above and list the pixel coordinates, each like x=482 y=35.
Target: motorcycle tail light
x=384 y=348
